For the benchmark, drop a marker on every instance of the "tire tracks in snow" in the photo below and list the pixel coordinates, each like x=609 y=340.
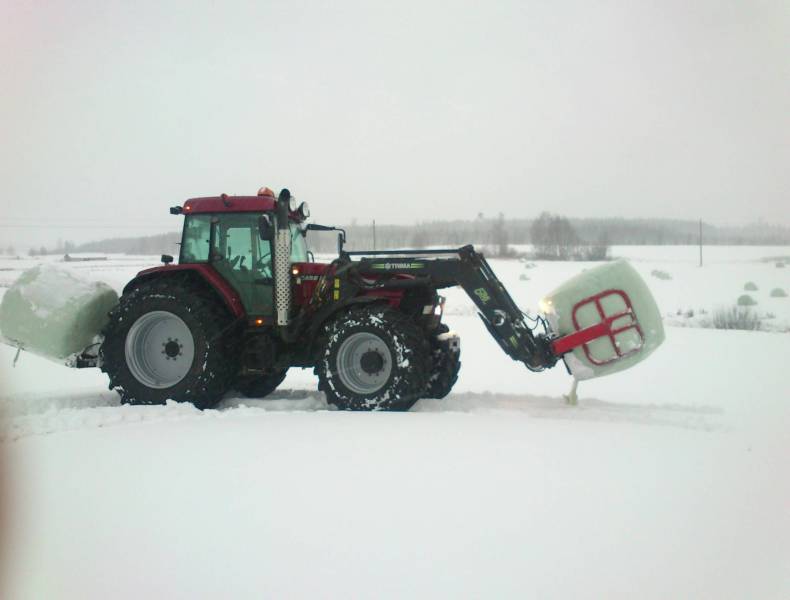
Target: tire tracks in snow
x=42 y=414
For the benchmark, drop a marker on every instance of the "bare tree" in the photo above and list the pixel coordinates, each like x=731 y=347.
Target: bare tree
x=553 y=237
x=600 y=249
x=499 y=236
x=420 y=238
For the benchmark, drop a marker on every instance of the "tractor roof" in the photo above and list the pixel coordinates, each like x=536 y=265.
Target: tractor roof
x=218 y=204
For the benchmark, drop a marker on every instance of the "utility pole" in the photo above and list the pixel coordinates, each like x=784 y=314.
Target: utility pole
x=374 y=234
x=700 y=242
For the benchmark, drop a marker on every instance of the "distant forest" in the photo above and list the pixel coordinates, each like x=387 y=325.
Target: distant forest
x=498 y=232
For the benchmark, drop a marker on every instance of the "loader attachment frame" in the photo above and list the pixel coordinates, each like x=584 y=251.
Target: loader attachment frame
x=608 y=327
x=470 y=270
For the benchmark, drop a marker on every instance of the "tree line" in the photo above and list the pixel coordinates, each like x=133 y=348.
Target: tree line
x=551 y=236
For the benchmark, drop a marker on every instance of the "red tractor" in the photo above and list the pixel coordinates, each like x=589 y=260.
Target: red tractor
x=246 y=302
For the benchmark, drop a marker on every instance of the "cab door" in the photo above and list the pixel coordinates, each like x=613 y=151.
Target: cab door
x=245 y=261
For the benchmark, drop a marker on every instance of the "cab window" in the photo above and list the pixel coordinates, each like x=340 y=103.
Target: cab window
x=244 y=259
x=238 y=245
x=298 y=244
x=196 y=240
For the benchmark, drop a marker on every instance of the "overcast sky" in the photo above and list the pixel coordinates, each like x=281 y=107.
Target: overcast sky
x=110 y=112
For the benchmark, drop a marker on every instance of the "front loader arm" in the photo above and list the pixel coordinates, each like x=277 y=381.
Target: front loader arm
x=468 y=269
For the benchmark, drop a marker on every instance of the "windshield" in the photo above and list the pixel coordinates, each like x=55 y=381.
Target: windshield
x=196 y=240
x=298 y=244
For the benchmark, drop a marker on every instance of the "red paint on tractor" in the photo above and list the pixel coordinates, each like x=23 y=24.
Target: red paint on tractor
x=216 y=204
x=393 y=297
x=207 y=272
x=230 y=204
x=604 y=328
x=306 y=277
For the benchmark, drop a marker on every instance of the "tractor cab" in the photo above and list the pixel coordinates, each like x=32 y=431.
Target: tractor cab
x=234 y=235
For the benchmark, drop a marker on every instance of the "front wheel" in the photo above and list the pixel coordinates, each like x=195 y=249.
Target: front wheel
x=373 y=358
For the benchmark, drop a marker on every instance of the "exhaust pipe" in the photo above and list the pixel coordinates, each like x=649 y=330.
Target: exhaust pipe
x=282 y=260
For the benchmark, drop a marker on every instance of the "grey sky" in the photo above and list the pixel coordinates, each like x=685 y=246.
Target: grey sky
x=110 y=112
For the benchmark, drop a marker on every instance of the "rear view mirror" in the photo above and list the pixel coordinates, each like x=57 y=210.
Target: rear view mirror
x=341 y=236
x=265 y=228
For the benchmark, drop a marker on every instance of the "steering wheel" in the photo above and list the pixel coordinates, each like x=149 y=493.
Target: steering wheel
x=262 y=262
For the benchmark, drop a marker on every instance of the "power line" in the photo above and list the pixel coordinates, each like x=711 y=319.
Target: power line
x=54 y=217
x=91 y=227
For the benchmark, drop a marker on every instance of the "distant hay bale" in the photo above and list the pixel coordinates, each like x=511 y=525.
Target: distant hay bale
x=750 y=286
x=658 y=274
x=746 y=300
x=778 y=293
x=523 y=277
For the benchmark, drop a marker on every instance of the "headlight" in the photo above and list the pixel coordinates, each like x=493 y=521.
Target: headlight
x=304 y=210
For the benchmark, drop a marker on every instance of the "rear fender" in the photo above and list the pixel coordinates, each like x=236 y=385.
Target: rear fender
x=202 y=272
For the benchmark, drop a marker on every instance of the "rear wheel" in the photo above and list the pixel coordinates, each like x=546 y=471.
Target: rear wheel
x=373 y=358
x=169 y=340
x=151 y=366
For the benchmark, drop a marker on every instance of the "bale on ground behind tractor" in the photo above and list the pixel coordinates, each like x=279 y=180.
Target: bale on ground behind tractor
x=53 y=312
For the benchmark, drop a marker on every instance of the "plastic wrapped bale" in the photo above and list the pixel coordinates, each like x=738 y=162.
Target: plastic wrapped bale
x=598 y=294
x=52 y=312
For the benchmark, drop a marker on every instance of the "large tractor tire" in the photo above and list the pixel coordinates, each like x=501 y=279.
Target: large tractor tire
x=169 y=339
x=373 y=358
x=261 y=386
x=445 y=363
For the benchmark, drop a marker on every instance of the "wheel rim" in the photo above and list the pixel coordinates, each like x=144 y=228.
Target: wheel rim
x=364 y=363
x=160 y=349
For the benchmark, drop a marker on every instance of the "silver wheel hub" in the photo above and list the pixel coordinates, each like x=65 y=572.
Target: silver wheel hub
x=364 y=363
x=159 y=349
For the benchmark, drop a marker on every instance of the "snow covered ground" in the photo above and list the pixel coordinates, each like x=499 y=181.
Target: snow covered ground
x=667 y=481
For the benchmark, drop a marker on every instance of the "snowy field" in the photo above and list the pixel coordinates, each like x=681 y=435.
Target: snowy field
x=669 y=480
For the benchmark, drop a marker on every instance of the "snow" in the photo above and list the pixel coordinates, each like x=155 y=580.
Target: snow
x=669 y=480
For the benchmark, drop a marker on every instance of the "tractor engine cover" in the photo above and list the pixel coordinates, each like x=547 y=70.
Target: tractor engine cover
x=53 y=312
x=616 y=302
